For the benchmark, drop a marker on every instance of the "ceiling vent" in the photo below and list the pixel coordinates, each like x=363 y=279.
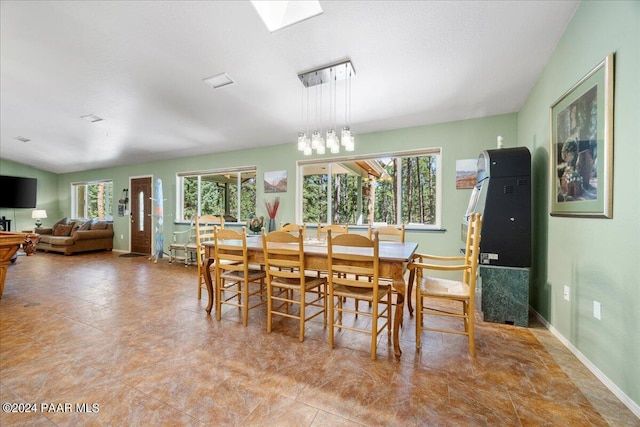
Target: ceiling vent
x=218 y=81
x=22 y=139
x=92 y=118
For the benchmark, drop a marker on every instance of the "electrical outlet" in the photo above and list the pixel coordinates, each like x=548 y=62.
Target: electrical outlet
x=596 y=309
x=567 y=293
x=121 y=236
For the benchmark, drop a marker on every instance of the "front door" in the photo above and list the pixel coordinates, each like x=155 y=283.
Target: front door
x=141 y=215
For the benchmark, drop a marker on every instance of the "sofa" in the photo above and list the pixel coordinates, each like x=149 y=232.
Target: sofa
x=72 y=236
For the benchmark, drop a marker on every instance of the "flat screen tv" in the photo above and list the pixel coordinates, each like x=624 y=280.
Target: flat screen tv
x=18 y=192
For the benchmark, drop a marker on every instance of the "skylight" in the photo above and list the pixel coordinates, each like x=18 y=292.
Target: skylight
x=279 y=14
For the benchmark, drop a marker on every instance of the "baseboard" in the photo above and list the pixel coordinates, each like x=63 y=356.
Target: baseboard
x=626 y=400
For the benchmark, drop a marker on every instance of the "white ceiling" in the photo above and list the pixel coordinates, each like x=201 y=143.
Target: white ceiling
x=140 y=65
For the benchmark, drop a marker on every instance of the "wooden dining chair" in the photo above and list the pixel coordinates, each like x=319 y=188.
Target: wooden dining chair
x=334 y=228
x=461 y=290
x=287 y=284
x=294 y=229
x=388 y=233
x=351 y=256
x=205 y=225
x=234 y=275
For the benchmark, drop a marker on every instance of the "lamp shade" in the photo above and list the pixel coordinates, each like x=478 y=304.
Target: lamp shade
x=39 y=214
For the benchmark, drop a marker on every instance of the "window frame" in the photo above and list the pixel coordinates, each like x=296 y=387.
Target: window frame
x=109 y=206
x=431 y=151
x=199 y=173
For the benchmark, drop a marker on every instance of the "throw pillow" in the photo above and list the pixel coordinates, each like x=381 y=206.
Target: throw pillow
x=99 y=225
x=85 y=225
x=62 y=230
x=63 y=221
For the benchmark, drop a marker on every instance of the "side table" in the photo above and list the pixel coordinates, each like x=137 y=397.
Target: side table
x=30 y=242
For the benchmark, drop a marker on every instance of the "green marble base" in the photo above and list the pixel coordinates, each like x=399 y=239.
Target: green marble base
x=502 y=295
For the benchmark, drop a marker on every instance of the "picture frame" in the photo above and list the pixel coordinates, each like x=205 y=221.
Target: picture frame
x=275 y=182
x=466 y=173
x=581 y=151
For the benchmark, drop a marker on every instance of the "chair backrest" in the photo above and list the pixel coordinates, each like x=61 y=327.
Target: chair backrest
x=185 y=236
x=294 y=228
x=472 y=249
x=352 y=256
x=230 y=248
x=334 y=228
x=283 y=255
x=192 y=232
x=388 y=233
x=205 y=226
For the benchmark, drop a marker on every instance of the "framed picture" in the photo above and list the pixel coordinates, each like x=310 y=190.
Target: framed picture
x=581 y=151
x=466 y=173
x=275 y=182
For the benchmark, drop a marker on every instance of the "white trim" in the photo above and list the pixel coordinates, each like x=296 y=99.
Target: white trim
x=219 y=171
x=403 y=153
x=626 y=400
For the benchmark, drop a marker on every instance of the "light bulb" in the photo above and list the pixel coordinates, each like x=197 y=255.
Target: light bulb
x=301 y=141
x=346 y=135
x=350 y=144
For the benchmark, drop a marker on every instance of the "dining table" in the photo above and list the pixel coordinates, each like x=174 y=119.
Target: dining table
x=394 y=258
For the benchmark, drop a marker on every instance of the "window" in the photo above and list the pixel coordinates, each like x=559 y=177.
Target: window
x=390 y=188
x=216 y=193
x=92 y=200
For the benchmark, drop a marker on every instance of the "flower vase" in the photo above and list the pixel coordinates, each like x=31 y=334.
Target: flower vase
x=272 y=224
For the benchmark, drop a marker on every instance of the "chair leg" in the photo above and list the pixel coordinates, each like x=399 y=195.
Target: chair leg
x=244 y=300
x=200 y=278
x=418 y=318
x=331 y=319
x=471 y=321
x=374 y=331
x=302 y=314
x=389 y=316
x=218 y=290
x=324 y=303
x=269 y=307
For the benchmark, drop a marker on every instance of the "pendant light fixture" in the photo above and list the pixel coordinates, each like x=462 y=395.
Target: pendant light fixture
x=318 y=79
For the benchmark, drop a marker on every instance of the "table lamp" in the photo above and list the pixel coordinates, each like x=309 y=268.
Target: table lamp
x=38 y=214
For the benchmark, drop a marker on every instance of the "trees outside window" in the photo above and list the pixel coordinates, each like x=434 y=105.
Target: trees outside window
x=390 y=188
x=92 y=200
x=230 y=193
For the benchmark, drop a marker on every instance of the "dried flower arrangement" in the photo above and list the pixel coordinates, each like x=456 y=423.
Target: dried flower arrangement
x=272 y=208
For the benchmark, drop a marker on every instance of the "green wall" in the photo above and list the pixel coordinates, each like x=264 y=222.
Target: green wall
x=597 y=258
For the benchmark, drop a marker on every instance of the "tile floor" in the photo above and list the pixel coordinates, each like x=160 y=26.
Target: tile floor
x=131 y=337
